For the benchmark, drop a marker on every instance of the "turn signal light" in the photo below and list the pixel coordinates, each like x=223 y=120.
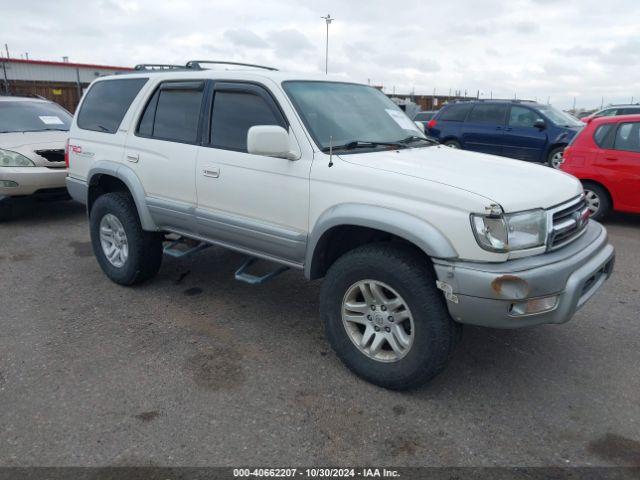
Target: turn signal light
x=535 y=305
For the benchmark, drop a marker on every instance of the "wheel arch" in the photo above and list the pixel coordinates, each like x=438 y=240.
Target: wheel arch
x=347 y=226
x=601 y=185
x=106 y=176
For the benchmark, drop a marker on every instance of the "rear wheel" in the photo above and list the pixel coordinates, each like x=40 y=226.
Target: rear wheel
x=127 y=254
x=554 y=159
x=385 y=318
x=451 y=144
x=598 y=200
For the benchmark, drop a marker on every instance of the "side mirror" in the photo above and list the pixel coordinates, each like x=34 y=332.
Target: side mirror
x=539 y=123
x=420 y=125
x=270 y=141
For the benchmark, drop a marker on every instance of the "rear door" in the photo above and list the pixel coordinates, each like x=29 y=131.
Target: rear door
x=162 y=149
x=620 y=166
x=484 y=129
x=521 y=139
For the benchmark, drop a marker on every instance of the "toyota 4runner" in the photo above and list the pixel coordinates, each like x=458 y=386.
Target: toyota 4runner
x=413 y=239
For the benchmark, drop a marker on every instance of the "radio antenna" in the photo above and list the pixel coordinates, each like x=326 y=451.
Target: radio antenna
x=330 y=151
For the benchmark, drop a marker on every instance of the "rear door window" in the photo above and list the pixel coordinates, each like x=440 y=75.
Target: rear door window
x=456 y=113
x=488 y=113
x=107 y=103
x=234 y=112
x=173 y=112
x=628 y=137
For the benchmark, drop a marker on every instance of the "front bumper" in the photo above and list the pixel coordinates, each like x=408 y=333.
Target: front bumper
x=29 y=180
x=485 y=293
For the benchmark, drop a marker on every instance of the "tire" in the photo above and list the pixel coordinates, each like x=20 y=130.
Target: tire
x=554 y=159
x=598 y=200
x=404 y=272
x=452 y=144
x=144 y=249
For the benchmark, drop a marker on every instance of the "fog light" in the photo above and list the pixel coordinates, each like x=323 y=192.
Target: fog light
x=535 y=305
x=8 y=184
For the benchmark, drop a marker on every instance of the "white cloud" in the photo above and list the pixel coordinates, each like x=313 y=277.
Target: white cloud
x=535 y=48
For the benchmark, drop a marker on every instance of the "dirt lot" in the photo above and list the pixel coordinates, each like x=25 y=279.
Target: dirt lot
x=197 y=369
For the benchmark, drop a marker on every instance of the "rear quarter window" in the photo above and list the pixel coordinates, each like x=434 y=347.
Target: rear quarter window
x=602 y=135
x=107 y=103
x=456 y=113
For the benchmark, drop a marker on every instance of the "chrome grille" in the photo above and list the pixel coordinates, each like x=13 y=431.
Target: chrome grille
x=567 y=222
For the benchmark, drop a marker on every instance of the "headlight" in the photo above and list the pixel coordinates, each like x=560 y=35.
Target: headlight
x=511 y=231
x=14 y=159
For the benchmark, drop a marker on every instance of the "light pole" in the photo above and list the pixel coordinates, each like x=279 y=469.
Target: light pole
x=327 y=19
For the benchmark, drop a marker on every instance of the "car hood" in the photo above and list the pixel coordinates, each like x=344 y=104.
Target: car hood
x=513 y=184
x=20 y=140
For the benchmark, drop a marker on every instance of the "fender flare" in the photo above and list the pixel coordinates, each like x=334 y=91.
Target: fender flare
x=411 y=228
x=131 y=180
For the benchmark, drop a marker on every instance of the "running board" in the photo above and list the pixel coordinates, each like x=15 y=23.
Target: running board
x=174 y=251
x=243 y=276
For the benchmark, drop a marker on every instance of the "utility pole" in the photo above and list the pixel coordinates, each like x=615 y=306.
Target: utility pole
x=328 y=20
x=6 y=47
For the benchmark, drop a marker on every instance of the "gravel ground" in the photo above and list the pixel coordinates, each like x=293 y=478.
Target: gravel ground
x=196 y=369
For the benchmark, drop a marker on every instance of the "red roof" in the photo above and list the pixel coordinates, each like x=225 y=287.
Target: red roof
x=63 y=64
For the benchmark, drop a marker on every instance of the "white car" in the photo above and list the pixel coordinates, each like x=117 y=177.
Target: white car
x=413 y=239
x=33 y=132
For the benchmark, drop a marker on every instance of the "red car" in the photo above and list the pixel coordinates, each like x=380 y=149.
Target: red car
x=605 y=156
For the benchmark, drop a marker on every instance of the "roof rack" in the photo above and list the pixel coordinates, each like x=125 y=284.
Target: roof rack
x=197 y=64
x=158 y=67
x=474 y=99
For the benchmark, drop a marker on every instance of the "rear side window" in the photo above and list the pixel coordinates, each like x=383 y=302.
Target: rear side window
x=107 y=103
x=423 y=116
x=628 y=137
x=601 y=135
x=488 y=113
x=173 y=113
x=456 y=113
x=233 y=114
x=630 y=111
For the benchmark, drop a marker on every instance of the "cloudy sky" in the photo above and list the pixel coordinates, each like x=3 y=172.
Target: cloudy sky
x=557 y=49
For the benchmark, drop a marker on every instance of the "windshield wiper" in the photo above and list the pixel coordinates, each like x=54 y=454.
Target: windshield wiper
x=416 y=138
x=363 y=144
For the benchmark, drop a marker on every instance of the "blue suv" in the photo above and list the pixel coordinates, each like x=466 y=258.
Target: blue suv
x=518 y=129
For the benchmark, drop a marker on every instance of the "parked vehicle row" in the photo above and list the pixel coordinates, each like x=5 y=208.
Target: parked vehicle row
x=413 y=239
x=613 y=111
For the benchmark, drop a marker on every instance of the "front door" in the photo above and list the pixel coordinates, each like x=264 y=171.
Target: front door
x=521 y=139
x=253 y=202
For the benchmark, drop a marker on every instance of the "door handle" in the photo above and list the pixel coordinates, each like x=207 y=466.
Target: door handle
x=611 y=159
x=212 y=172
x=133 y=157
x=508 y=129
x=498 y=128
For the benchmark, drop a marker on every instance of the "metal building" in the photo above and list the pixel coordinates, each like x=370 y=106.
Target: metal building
x=62 y=82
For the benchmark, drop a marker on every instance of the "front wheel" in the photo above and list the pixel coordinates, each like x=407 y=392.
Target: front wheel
x=127 y=254
x=555 y=159
x=385 y=318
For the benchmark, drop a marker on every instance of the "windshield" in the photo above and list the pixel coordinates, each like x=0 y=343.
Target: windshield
x=344 y=114
x=28 y=116
x=559 y=117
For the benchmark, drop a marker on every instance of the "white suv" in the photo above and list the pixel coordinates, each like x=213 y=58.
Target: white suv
x=413 y=239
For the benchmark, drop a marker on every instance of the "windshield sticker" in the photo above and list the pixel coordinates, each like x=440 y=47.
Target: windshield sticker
x=51 y=120
x=401 y=119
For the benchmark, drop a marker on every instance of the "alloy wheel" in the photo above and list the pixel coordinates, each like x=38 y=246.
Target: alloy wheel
x=378 y=320
x=113 y=240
